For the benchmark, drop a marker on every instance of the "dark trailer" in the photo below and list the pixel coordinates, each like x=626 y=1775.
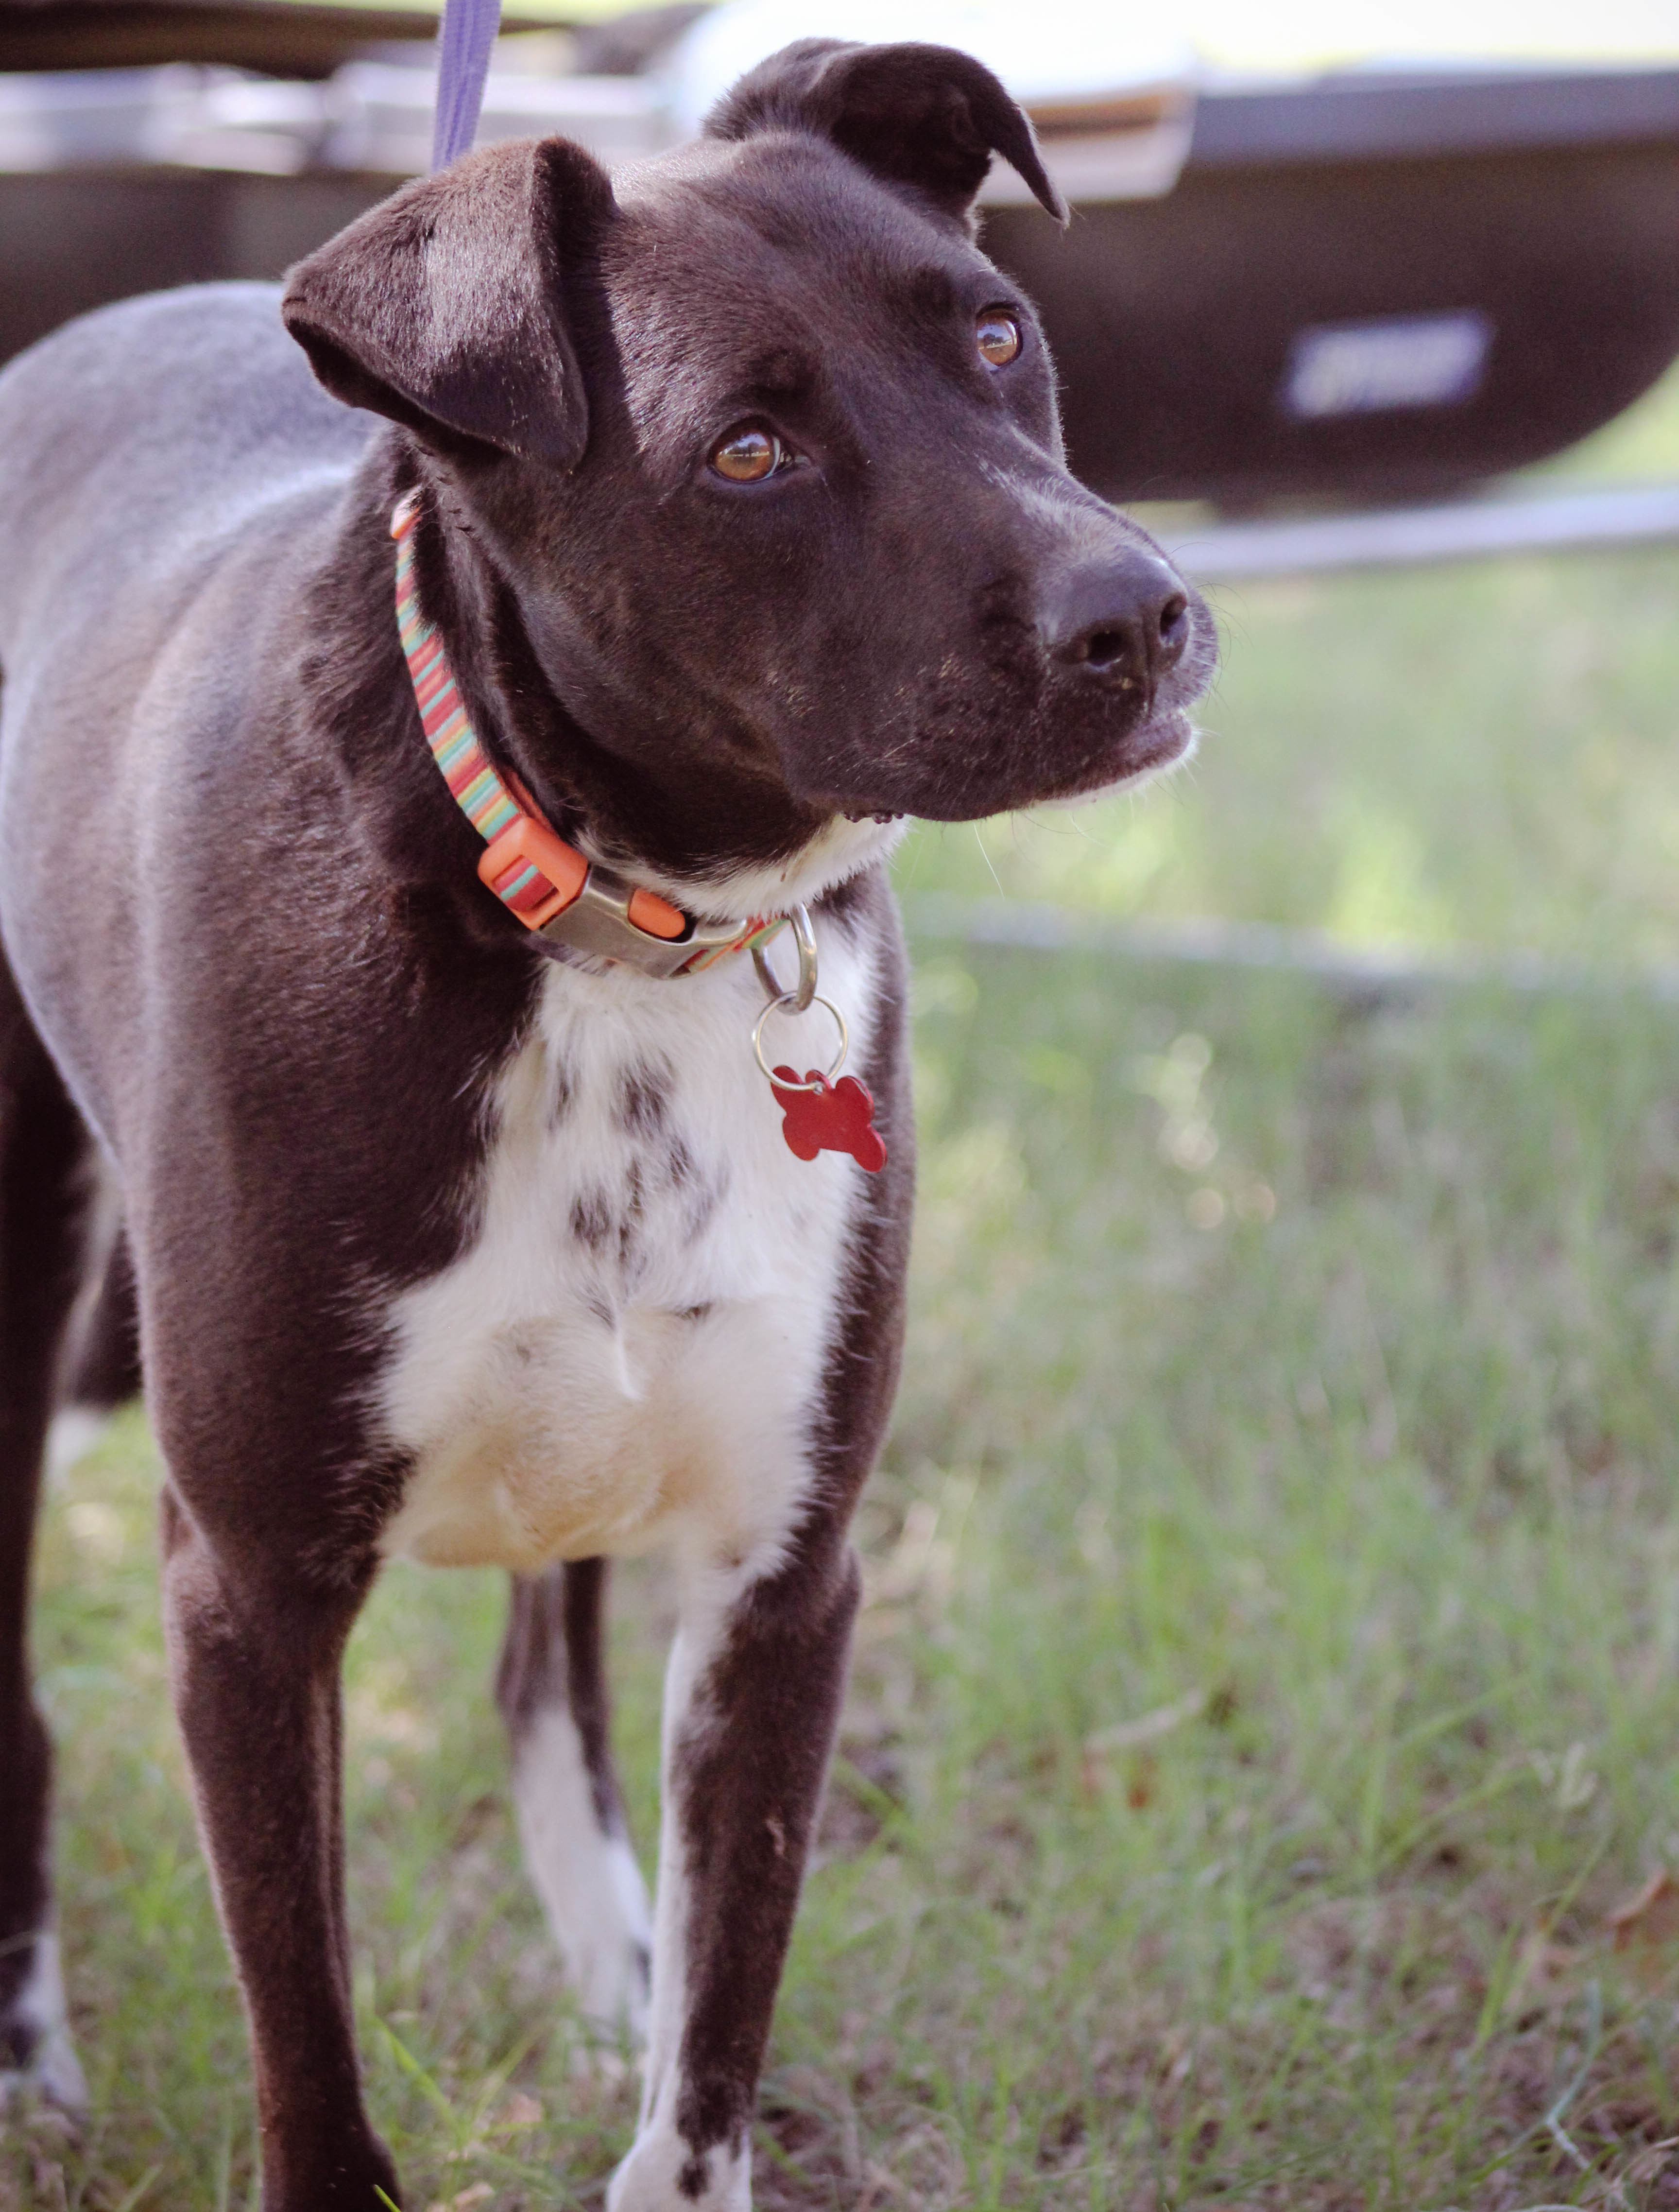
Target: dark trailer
x=1369 y=284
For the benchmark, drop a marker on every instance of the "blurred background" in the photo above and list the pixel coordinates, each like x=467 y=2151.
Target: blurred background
x=1260 y=1784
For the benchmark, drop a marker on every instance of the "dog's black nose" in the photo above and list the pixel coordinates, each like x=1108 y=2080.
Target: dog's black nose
x=1125 y=623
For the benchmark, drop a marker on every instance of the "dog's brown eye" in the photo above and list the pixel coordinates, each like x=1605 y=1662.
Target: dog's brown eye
x=999 y=338
x=747 y=455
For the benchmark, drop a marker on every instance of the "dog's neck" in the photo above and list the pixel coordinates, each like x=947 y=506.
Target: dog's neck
x=579 y=907
x=720 y=840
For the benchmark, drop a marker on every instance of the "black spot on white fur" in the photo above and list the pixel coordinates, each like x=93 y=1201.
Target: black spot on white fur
x=630 y=1222
x=591 y=1219
x=644 y=1099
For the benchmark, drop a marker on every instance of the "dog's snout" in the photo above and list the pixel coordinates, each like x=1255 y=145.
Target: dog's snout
x=1125 y=623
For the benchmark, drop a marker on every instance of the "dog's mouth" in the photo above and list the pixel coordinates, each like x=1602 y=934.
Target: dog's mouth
x=1163 y=743
x=860 y=832
x=1010 y=727
x=943 y=788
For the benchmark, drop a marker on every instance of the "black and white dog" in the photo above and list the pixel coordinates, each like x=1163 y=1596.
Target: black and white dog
x=400 y=985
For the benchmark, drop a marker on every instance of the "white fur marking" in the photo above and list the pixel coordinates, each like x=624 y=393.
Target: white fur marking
x=590 y=1884
x=648 y=2176
x=630 y=1350
x=54 y=2072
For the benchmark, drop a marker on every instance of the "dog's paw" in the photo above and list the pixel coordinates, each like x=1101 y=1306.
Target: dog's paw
x=662 y=2174
x=37 y=2058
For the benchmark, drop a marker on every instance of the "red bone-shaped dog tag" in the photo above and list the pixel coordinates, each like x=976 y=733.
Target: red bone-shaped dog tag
x=829 y=1117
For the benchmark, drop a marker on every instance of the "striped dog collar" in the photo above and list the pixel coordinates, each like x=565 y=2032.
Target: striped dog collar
x=553 y=889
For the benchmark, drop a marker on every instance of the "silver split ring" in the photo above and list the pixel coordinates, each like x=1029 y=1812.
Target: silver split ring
x=787 y=999
x=798 y=920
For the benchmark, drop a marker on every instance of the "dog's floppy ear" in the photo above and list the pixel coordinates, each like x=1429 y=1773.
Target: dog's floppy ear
x=928 y=117
x=442 y=306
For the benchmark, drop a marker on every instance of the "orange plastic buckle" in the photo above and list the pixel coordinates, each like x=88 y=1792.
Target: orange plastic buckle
x=561 y=870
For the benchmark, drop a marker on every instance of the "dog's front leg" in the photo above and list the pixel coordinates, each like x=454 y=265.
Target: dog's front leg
x=752 y=1702
x=254 y=1653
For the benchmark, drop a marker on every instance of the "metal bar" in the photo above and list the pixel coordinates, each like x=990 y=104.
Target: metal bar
x=1410 y=536
x=1386 y=114
x=1036 y=926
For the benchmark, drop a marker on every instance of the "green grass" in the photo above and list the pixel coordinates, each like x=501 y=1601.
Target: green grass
x=1269 y=1676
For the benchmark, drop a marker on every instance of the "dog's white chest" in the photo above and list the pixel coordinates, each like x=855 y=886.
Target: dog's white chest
x=632 y=1346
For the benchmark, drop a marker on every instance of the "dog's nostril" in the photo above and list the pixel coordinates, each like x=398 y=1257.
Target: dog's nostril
x=1122 y=622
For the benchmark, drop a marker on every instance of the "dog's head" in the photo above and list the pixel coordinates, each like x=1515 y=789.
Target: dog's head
x=754 y=471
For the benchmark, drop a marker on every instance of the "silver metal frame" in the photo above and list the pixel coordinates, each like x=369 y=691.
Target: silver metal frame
x=598 y=922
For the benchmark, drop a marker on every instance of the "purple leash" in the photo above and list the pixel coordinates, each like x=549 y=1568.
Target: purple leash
x=467 y=36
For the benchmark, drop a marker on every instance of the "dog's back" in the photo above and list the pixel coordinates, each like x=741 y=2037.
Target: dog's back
x=182 y=411
x=151 y=454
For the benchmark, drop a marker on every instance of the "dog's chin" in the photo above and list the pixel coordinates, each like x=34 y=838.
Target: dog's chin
x=841 y=848
x=849 y=843
x=1162 y=746
x=1161 y=750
